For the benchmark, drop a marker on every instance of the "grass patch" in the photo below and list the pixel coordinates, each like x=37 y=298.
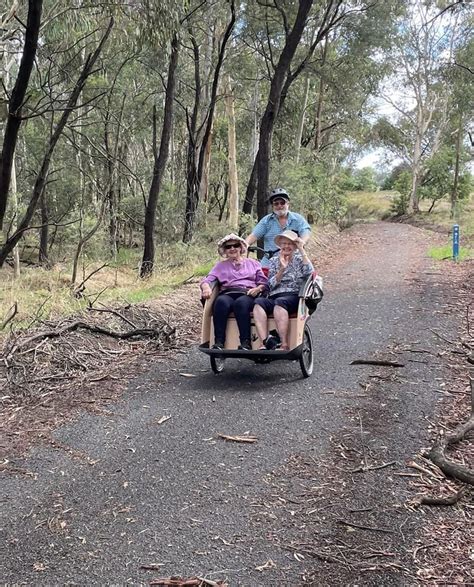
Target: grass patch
x=446 y=252
x=441 y=215
x=369 y=206
x=42 y=294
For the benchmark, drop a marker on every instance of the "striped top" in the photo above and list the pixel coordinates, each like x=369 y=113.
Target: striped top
x=269 y=226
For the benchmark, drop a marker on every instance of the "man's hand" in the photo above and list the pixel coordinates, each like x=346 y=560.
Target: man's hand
x=300 y=244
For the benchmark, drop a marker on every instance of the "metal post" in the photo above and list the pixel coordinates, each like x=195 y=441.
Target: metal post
x=455 y=241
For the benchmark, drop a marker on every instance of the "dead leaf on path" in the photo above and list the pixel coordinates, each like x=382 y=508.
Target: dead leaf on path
x=163 y=419
x=39 y=567
x=268 y=565
x=249 y=439
x=187 y=375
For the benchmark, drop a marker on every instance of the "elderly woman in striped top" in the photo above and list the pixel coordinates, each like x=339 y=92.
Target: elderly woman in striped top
x=287 y=272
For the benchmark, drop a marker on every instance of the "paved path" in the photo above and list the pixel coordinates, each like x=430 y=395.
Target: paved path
x=136 y=492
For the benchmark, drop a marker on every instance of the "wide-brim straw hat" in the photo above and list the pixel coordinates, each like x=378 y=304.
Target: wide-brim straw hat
x=289 y=234
x=231 y=237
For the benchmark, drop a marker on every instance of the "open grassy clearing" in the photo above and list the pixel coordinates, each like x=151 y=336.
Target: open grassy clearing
x=46 y=294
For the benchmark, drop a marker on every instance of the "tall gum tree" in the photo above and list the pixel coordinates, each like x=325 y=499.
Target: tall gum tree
x=426 y=42
x=200 y=134
x=16 y=101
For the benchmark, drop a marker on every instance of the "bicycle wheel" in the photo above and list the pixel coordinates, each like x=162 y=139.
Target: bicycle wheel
x=217 y=364
x=306 y=359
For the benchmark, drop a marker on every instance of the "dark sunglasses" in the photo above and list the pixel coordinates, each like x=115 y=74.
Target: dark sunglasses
x=279 y=203
x=232 y=246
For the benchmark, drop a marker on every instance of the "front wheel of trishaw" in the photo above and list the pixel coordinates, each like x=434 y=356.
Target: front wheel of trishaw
x=217 y=364
x=306 y=358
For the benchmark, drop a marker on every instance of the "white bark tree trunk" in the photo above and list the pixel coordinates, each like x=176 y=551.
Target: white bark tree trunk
x=232 y=157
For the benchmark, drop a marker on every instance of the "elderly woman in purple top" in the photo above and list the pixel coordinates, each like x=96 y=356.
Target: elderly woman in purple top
x=241 y=280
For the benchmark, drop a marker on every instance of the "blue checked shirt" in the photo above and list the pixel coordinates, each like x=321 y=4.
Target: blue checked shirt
x=269 y=226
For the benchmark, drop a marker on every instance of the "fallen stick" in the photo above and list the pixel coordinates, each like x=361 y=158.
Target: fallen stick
x=148 y=332
x=437 y=453
x=249 y=439
x=451 y=500
x=375 y=362
x=372 y=528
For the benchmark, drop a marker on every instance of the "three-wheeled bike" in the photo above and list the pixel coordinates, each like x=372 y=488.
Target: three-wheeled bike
x=299 y=334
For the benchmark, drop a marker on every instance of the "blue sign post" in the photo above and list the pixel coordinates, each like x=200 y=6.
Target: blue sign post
x=455 y=241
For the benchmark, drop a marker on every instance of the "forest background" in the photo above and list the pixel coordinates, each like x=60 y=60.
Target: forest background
x=135 y=134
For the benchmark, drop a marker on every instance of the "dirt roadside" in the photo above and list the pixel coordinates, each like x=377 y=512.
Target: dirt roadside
x=440 y=557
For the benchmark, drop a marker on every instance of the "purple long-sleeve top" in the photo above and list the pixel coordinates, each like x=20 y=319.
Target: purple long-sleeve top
x=247 y=273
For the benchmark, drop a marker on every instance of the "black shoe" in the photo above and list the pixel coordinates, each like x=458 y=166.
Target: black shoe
x=246 y=345
x=271 y=343
x=218 y=345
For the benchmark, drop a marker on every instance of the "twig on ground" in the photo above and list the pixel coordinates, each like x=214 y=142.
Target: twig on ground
x=360 y=527
x=376 y=468
x=442 y=337
x=451 y=500
x=437 y=453
x=249 y=439
x=375 y=362
x=115 y=313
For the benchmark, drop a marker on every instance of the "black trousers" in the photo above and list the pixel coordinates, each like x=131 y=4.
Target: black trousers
x=241 y=305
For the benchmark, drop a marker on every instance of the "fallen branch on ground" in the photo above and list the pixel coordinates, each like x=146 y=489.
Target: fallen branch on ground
x=145 y=332
x=437 y=453
x=451 y=500
x=375 y=362
x=238 y=438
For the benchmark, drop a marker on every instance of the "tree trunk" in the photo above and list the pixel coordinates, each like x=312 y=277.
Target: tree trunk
x=199 y=151
x=454 y=191
x=320 y=102
x=16 y=251
x=43 y=256
x=299 y=131
x=148 y=259
x=42 y=175
x=232 y=158
x=16 y=102
x=273 y=104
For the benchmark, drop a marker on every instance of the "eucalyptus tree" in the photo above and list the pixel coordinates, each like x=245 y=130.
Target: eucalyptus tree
x=460 y=77
x=64 y=102
x=426 y=42
x=200 y=117
x=16 y=101
x=323 y=33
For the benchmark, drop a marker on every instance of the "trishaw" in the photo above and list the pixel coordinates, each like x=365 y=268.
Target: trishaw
x=300 y=338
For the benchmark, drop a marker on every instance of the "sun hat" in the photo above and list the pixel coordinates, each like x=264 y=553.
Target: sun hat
x=278 y=193
x=289 y=234
x=231 y=237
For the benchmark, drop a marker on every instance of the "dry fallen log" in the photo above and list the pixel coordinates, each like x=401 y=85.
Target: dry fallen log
x=246 y=438
x=437 y=453
x=451 y=500
x=180 y=582
x=145 y=332
x=378 y=363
